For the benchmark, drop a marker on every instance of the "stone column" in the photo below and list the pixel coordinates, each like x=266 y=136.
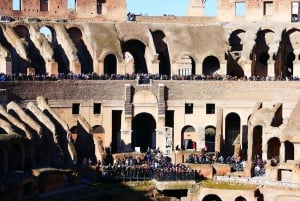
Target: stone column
x=219 y=130
x=200 y=140
x=282 y=153
x=250 y=143
x=52 y=68
x=271 y=68
x=75 y=67
x=126 y=139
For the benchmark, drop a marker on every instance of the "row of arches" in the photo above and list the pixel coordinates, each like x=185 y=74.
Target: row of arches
x=133 y=52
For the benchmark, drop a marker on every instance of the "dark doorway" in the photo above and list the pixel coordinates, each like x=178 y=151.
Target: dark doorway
x=143 y=130
x=257 y=141
x=110 y=64
x=211 y=197
x=210 y=65
x=289 y=150
x=83 y=53
x=116 y=129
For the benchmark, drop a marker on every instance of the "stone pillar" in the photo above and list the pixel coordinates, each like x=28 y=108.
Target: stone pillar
x=296 y=151
x=282 y=153
x=200 y=140
x=250 y=143
x=52 y=68
x=271 y=68
x=219 y=130
x=296 y=68
x=100 y=68
x=126 y=139
x=30 y=71
x=247 y=69
x=75 y=67
x=264 y=154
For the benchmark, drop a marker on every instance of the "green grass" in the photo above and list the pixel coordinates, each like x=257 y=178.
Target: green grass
x=226 y=185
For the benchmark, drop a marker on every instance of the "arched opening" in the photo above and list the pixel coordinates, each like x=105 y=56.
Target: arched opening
x=186 y=66
x=163 y=52
x=137 y=50
x=289 y=150
x=83 y=54
x=240 y=198
x=260 y=55
x=110 y=64
x=74 y=132
x=59 y=54
x=235 y=41
x=210 y=138
x=98 y=131
x=290 y=58
x=232 y=134
x=15 y=158
x=2 y=164
x=34 y=59
x=211 y=64
x=143 y=132
x=211 y=197
x=188 y=138
x=257 y=142
x=273 y=148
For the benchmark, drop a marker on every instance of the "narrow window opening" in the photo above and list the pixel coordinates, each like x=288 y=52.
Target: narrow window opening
x=268 y=8
x=240 y=9
x=97 y=108
x=43 y=5
x=189 y=108
x=16 y=5
x=99 y=7
x=295 y=16
x=210 y=108
x=72 y=6
x=75 y=108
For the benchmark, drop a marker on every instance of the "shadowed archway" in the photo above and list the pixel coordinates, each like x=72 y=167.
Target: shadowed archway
x=143 y=131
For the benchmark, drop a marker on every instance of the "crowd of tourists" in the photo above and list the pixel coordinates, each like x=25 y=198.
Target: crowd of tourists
x=142 y=77
x=236 y=163
x=154 y=165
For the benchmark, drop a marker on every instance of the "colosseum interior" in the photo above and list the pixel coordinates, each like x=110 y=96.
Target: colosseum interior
x=103 y=82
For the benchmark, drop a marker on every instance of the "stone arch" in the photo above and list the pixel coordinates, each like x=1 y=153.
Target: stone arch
x=59 y=54
x=240 y=198
x=188 y=137
x=257 y=141
x=83 y=53
x=260 y=53
x=143 y=131
x=34 y=60
x=273 y=150
x=98 y=131
x=186 y=65
x=210 y=66
x=110 y=64
x=161 y=48
x=137 y=49
x=211 y=197
x=15 y=157
x=232 y=134
x=74 y=132
x=290 y=38
x=210 y=138
x=289 y=151
x=234 y=69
